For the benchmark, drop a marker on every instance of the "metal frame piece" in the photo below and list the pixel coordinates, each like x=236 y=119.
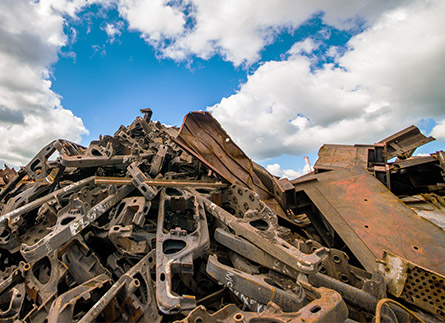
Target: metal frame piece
x=261 y=228
x=177 y=247
x=256 y=291
x=62 y=309
x=203 y=137
x=76 y=221
x=327 y=308
x=135 y=308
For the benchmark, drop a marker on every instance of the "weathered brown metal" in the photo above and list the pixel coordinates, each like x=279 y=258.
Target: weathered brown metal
x=99 y=180
x=403 y=143
x=145 y=225
x=260 y=226
x=204 y=138
x=6 y=175
x=370 y=219
x=328 y=307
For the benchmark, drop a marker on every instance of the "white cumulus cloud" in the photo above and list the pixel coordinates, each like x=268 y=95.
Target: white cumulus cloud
x=391 y=77
x=113 y=30
x=155 y=19
x=31 y=34
x=275 y=169
x=439 y=130
x=236 y=30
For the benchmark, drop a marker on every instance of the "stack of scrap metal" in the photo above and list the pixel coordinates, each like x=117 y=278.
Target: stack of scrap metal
x=159 y=224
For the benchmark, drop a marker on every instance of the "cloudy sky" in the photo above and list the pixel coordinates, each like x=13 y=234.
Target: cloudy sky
x=282 y=76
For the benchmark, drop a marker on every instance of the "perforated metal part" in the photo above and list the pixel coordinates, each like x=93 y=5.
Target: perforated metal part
x=425 y=290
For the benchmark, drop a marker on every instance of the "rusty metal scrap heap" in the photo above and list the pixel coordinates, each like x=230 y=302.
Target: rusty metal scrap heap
x=159 y=224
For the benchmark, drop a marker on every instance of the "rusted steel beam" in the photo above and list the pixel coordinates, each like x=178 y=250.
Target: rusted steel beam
x=101 y=180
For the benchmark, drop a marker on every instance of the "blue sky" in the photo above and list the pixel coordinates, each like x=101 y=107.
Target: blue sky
x=282 y=77
x=106 y=87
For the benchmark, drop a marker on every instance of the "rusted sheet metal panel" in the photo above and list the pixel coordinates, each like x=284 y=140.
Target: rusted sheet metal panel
x=401 y=144
x=203 y=136
x=341 y=156
x=404 y=142
x=370 y=219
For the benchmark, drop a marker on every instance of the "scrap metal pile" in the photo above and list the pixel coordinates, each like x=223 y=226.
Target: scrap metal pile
x=159 y=224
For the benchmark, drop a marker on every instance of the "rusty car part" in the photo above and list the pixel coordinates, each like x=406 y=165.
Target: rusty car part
x=182 y=235
x=256 y=291
x=74 y=221
x=327 y=307
x=63 y=308
x=261 y=228
x=135 y=304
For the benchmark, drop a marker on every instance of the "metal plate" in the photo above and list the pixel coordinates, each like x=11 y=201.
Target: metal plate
x=370 y=219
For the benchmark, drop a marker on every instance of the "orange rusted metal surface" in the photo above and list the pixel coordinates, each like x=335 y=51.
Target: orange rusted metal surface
x=370 y=219
x=204 y=137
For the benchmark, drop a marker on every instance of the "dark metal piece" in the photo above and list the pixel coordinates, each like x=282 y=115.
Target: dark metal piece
x=140 y=182
x=130 y=242
x=71 y=225
x=364 y=214
x=403 y=143
x=178 y=245
x=125 y=288
x=256 y=291
x=14 y=216
x=11 y=303
x=203 y=137
x=62 y=309
x=42 y=280
x=133 y=210
x=365 y=297
x=184 y=183
x=328 y=307
x=260 y=226
x=82 y=263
